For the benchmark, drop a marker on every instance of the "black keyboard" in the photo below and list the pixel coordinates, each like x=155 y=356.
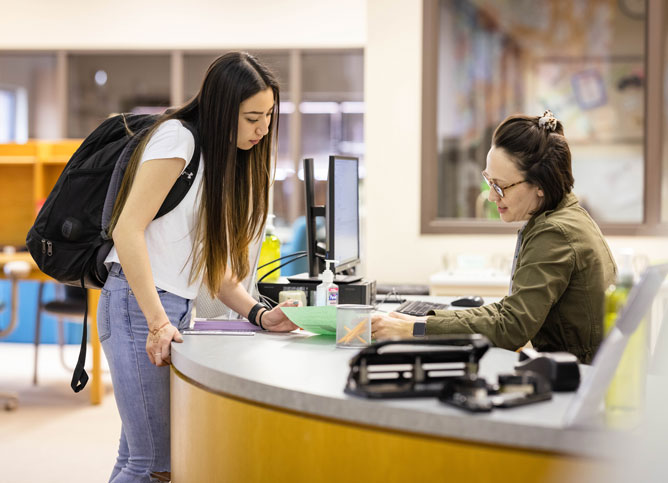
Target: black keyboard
x=419 y=307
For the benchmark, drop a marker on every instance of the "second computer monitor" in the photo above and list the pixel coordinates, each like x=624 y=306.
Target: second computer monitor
x=342 y=212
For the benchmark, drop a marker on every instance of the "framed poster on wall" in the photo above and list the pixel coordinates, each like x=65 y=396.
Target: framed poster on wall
x=600 y=100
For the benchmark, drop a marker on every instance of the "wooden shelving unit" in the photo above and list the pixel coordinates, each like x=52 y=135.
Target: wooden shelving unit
x=28 y=172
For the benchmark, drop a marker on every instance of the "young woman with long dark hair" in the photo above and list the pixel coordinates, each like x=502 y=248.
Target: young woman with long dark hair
x=157 y=266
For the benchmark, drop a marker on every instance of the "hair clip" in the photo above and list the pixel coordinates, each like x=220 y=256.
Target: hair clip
x=548 y=121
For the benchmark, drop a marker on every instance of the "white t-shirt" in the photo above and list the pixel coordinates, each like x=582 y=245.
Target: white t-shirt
x=170 y=238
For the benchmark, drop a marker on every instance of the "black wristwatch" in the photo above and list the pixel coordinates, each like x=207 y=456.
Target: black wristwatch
x=419 y=328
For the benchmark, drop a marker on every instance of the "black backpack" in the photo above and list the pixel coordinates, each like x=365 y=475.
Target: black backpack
x=69 y=239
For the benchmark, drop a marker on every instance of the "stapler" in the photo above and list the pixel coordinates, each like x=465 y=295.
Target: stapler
x=475 y=394
x=560 y=368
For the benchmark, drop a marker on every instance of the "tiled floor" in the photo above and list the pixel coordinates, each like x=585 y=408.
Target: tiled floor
x=54 y=435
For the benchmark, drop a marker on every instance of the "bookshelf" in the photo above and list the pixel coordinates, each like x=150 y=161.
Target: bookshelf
x=28 y=172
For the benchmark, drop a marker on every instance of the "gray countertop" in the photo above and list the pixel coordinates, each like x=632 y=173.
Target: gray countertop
x=306 y=373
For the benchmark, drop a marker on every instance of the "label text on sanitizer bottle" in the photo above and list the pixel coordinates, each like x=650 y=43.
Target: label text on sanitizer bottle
x=332 y=295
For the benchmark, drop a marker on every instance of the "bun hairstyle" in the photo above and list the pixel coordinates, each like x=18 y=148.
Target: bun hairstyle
x=548 y=122
x=540 y=151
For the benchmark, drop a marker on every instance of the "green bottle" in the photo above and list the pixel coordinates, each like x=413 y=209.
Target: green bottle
x=625 y=398
x=270 y=250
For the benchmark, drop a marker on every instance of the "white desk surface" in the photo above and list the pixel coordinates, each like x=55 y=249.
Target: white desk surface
x=307 y=374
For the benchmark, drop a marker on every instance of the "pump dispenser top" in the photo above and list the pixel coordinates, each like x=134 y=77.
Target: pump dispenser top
x=269 y=228
x=626 y=276
x=328 y=275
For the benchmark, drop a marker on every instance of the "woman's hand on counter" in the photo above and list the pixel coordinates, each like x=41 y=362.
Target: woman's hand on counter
x=394 y=324
x=159 y=341
x=276 y=321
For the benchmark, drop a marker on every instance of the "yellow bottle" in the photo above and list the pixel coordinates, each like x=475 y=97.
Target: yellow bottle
x=625 y=398
x=270 y=251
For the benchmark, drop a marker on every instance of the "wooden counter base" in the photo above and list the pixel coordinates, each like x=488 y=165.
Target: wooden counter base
x=219 y=438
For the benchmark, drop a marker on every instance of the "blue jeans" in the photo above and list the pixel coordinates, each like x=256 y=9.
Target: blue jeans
x=140 y=388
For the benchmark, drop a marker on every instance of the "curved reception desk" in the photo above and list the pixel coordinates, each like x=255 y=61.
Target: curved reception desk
x=271 y=407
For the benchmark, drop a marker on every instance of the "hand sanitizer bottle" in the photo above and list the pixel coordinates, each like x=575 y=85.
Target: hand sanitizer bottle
x=269 y=251
x=625 y=398
x=327 y=293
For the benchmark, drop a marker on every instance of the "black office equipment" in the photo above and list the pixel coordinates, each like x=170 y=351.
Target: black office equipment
x=469 y=301
x=560 y=368
x=362 y=292
x=315 y=254
x=342 y=213
x=402 y=289
x=521 y=388
x=470 y=392
x=419 y=308
x=475 y=394
x=390 y=298
x=396 y=293
x=413 y=367
x=342 y=221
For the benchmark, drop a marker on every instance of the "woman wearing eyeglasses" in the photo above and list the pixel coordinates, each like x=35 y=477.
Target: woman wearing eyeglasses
x=562 y=264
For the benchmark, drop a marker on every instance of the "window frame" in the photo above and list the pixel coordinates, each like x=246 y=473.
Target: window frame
x=177 y=90
x=431 y=223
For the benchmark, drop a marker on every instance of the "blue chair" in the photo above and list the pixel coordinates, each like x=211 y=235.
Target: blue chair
x=298 y=243
x=11 y=399
x=14 y=271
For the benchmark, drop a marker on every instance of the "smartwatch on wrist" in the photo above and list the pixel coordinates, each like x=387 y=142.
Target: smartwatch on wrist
x=420 y=327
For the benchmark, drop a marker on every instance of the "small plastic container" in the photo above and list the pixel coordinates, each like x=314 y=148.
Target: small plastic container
x=292 y=295
x=353 y=325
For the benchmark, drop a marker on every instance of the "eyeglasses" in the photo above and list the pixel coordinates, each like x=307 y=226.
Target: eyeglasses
x=499 y=190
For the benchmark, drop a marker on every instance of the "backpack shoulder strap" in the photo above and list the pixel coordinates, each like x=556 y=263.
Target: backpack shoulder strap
x=185 y=181
x=140 y=124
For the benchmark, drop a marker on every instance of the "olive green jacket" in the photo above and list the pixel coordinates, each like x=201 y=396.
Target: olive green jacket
x=562 y=271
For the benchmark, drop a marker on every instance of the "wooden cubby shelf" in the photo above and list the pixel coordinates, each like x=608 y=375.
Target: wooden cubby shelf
x=28 y=172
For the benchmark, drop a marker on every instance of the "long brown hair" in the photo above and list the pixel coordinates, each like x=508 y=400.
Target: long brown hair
x=235 y=191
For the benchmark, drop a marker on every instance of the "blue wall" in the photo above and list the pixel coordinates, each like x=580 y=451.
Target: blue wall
x=25 y=329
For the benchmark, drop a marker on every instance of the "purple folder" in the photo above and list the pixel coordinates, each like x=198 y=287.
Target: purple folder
x=223 y=325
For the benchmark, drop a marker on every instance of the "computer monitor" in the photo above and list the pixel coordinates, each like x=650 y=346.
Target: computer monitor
x=342 y=212
x=314 y=255
x=342 y=220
